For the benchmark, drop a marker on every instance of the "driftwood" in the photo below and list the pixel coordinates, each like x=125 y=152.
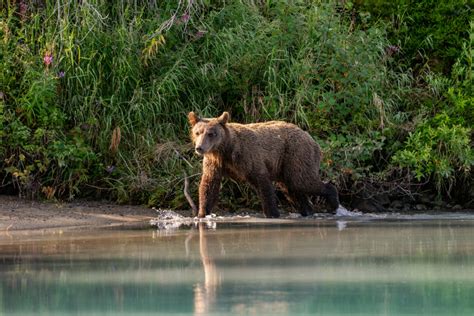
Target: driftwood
x=188 y=195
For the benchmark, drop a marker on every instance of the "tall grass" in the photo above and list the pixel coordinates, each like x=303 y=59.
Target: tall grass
x=135 y=68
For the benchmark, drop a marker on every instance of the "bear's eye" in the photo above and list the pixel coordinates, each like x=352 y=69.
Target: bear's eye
x=211 y=134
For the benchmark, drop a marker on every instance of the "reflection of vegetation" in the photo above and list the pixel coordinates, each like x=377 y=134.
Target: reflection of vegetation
x=47 y=298
x=81 y=75
x=438 y=298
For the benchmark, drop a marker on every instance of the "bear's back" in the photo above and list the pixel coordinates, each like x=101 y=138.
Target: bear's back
x=270 y=127
x=271 y=131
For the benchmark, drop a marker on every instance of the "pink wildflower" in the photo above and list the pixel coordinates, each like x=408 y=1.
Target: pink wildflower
x=199 y=34
x=23 y=9
x=392 y=50
x=48 y=59
x=185 y=18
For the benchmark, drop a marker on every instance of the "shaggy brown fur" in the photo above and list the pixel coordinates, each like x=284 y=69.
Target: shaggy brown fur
x=260 y=154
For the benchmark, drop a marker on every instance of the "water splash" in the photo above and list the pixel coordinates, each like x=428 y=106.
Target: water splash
x=170 y=221
x=342 y=211
x=167 y=215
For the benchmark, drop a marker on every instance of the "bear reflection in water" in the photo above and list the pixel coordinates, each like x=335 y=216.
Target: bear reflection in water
x=205 y=293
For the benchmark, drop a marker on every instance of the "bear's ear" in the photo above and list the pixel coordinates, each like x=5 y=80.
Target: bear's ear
x=223 y=118
x=193 y=118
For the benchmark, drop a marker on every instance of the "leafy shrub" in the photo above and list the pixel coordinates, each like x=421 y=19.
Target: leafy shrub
x=441 y=146
x=352 y=156
x=429 y=33
x=40 y=155
x=440 y=152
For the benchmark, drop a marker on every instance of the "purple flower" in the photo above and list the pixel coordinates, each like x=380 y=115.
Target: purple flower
x=392 y=50
x=23 y=8
x=48 y=59
x=185 y=18
x=199 y=34
x=110 y=168
x=61 y=74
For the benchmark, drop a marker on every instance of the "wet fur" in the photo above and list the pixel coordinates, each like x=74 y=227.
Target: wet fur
x=260 y=154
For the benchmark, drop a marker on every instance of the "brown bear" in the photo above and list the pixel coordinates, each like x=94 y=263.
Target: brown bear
x=260 y=154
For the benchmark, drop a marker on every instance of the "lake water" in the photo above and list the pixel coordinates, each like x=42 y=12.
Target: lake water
x=412 y=265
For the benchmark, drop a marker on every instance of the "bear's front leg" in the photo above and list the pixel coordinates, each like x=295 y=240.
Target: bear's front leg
x=209 y=187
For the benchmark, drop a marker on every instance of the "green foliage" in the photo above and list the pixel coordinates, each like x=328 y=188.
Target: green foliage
x=95 y=94
x=352 y=156
x=429 y=33
x=441 y=146
x=302 y=63
x=460 y=94
x=435 y=40
x=39 y=154
x=440 y=152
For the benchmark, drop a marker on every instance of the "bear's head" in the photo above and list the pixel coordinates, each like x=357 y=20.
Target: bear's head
x=207 y=134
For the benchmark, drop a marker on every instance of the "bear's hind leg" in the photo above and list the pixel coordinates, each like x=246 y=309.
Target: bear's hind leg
x=267 y=195
x=304 y=206
x=300 y=202
x=329 y=192
x=326 y=190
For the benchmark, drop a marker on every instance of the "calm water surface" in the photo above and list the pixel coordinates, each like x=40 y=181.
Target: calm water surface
x=404 y=266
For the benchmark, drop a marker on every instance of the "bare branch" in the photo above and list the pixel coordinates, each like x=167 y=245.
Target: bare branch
x=188 y=195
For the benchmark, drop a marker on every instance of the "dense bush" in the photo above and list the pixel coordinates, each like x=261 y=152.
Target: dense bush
x=435 y=39
x=441 y=145
x=94 y=95
x=429 y=34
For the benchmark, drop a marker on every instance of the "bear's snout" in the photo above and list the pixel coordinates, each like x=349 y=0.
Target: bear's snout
x=199 y=150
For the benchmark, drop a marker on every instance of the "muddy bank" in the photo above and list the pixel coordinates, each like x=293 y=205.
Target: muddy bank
x=18 y=214
x=26 y=215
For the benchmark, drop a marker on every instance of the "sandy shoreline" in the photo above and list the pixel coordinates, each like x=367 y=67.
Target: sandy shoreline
x=19 y=214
